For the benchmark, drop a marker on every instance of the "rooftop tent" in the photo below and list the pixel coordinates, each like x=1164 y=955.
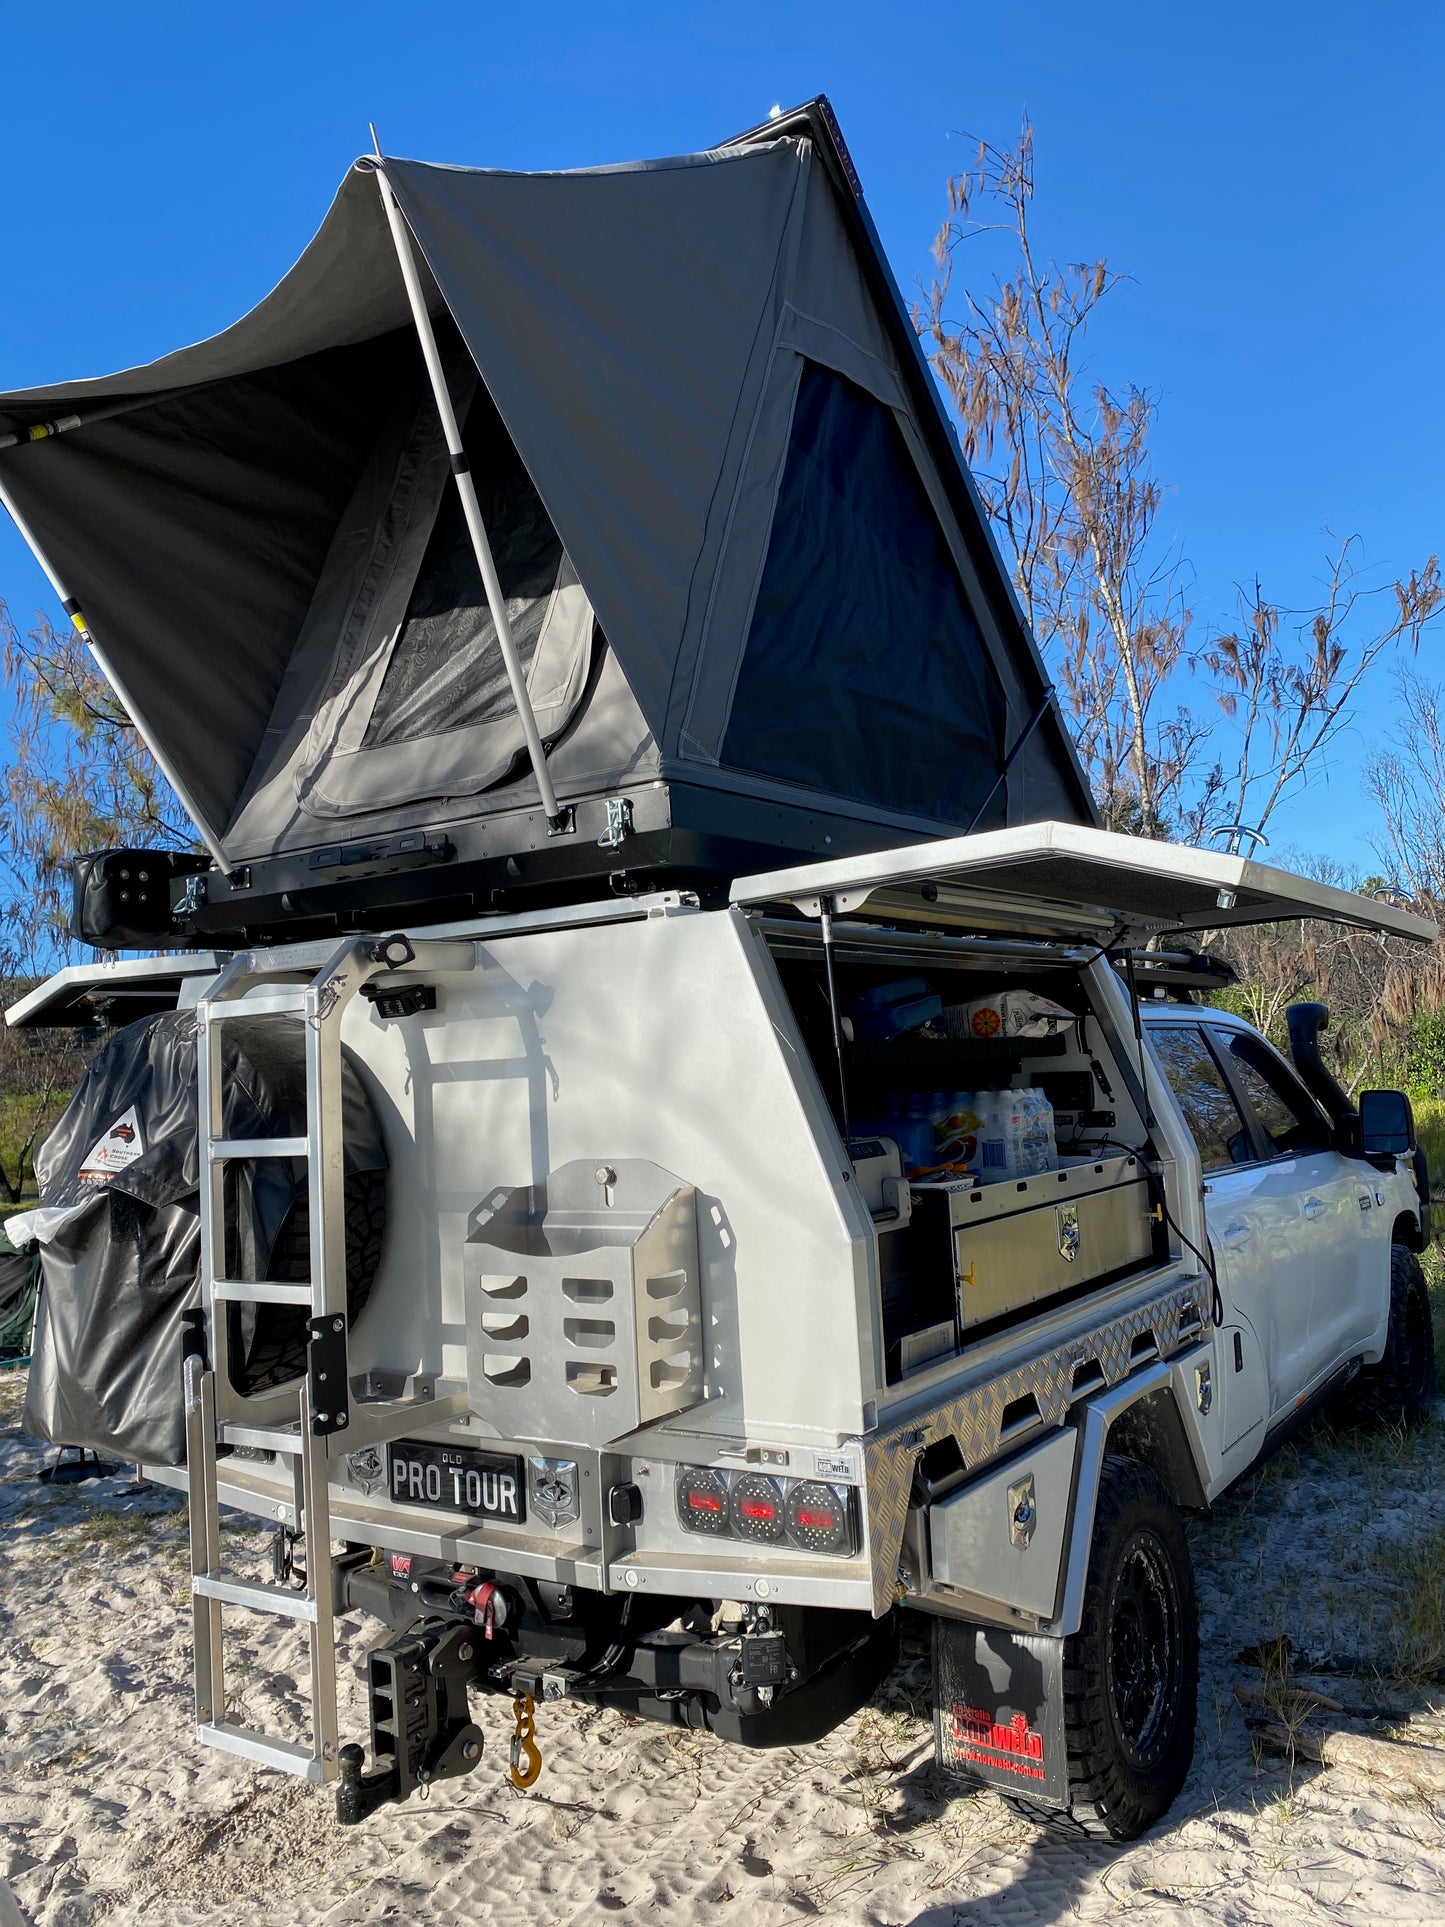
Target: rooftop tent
x=746 y=574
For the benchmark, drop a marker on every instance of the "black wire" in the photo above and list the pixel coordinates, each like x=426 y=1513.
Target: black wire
x=1206 y=1258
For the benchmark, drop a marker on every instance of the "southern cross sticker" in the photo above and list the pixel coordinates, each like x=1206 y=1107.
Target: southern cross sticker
x=118 y=1147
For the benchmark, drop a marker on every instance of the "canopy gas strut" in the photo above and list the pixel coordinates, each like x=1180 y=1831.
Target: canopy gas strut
x=559 y=819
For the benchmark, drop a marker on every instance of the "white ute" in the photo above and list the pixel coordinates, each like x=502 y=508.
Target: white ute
x=660 y=1396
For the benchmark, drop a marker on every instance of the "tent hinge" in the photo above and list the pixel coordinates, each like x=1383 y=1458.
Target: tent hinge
x=619 y=823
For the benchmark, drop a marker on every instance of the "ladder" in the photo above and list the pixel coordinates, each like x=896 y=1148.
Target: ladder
x=325 y=1413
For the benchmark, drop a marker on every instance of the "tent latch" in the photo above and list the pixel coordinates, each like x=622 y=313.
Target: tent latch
x=619 y=823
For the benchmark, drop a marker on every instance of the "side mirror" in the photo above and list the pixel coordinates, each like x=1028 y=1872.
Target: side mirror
x=1387 y=1124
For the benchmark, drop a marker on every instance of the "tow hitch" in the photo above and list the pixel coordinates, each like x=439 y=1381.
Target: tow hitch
x=420 y=1727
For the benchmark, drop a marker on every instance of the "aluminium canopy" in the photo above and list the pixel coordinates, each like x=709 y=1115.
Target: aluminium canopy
x=741 y=556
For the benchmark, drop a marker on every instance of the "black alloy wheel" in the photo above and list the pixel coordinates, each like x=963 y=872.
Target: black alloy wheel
x=1131 y=1672
x=1145 y=1659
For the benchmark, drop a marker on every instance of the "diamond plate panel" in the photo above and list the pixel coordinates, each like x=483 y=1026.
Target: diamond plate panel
x=975 y=1417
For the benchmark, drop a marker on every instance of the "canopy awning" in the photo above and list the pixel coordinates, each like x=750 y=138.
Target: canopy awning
x=1070 y=880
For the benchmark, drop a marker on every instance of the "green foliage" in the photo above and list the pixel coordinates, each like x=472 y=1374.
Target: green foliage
x=1424 y=1057
x=1430 y=1130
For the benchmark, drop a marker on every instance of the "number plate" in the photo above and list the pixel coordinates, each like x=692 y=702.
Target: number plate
x=454 y=1478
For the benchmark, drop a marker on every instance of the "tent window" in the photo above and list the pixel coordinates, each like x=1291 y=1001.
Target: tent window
x=446 y=670
x=864 y=673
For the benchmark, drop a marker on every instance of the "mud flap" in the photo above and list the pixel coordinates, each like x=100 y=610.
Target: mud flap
x=998 y=1709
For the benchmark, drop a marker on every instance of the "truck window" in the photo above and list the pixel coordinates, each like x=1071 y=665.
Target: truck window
x=1287 y=1115
x=1209 y=1110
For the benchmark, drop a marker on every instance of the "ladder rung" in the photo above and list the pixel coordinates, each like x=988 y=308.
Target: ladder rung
x=257 y=1147
x=256 y=1291
x=255 y=1593
x=261 y=1438
x=285 y=1754
x=264 y=1003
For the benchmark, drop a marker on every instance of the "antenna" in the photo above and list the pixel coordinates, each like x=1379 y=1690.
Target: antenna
x=375 y=139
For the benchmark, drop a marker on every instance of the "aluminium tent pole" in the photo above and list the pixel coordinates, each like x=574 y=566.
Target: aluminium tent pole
x=558 y=818
x=63 y=424
x=73 y=610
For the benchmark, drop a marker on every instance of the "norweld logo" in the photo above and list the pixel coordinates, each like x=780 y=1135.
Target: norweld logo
x=831 y=1466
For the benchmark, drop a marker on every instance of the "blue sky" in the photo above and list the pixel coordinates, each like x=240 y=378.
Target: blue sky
x=1271 y=175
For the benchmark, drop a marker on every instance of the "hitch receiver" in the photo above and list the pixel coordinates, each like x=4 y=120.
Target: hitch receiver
x=420 y=1727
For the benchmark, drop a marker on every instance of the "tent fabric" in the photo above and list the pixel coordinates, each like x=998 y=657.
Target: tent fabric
x=855 y=551
x=273 y=551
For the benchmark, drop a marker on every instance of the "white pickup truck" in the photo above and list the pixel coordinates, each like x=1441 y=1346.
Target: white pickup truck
x=668 y=1386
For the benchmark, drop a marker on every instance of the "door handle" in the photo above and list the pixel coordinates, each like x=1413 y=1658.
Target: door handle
x=1236 y=1236
x=1314 y=1207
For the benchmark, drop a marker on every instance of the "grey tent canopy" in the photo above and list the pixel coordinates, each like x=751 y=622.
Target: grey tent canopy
x=745 y=568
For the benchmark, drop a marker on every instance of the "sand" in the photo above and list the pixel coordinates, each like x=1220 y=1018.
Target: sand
x=109 y=1811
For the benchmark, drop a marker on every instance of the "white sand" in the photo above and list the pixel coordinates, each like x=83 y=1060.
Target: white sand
x=110 y=1811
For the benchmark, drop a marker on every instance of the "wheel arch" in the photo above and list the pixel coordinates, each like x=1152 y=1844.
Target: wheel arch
x=1138 y=1419
x=1407 y=1231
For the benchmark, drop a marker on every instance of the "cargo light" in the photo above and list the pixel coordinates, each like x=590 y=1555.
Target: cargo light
x=752 y=1506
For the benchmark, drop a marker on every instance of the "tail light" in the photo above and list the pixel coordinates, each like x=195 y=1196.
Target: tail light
x=820 y=1516
x=756 y=1509
x=702 y=1500
x=808 y=1513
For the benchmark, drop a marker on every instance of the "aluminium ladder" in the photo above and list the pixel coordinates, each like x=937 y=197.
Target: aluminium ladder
x=312 y=1419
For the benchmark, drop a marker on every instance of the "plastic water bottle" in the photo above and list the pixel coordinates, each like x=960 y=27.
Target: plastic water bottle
x=916 y=1134
x=1048 y=1137
x=1031 y=1158
x=995 y=1149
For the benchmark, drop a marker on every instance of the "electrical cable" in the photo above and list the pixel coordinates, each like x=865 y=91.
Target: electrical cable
x=1206 y=1258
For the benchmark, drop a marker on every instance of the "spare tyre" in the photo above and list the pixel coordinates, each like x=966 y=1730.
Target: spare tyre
x=119 y=1227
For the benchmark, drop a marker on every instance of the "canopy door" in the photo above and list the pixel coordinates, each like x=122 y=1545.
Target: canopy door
x=1066 y=880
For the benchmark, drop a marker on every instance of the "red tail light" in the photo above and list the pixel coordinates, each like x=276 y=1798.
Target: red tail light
x=757 y=1508
x=702 y=1500
x=820 y=1517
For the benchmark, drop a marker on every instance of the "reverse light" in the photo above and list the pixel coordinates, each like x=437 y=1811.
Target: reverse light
x=810 y=1514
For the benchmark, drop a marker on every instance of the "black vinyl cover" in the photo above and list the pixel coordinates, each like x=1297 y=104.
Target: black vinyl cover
x=119 y=1274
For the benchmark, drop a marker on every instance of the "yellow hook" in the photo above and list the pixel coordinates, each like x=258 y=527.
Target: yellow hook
x=526 y=1754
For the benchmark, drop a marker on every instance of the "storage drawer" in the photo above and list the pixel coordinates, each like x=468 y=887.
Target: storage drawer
x=1015 y=1243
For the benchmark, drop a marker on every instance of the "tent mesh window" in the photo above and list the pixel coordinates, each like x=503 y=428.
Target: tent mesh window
x=861 y=635
x=446 y=670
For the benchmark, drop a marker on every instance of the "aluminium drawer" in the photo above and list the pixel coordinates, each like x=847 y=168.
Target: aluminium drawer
x=1013 y=1243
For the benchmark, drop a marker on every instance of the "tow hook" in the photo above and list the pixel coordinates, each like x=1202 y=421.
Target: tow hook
x=526 y=1762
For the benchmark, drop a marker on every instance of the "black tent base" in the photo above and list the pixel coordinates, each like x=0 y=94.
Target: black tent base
x=662 y=836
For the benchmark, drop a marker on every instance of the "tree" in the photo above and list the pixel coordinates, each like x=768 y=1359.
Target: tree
x=1064 y=468
x=1288 y=704
x=79 y=778
x=1407 y=781
x=1065 y=472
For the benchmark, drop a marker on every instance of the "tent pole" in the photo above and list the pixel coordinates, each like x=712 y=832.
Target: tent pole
x=72 y=609
x=559 y=819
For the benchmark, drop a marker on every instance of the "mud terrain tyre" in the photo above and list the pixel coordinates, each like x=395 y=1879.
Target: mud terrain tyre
x=1400 y=1389
x=277 y=1352
x=1131 y=1672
